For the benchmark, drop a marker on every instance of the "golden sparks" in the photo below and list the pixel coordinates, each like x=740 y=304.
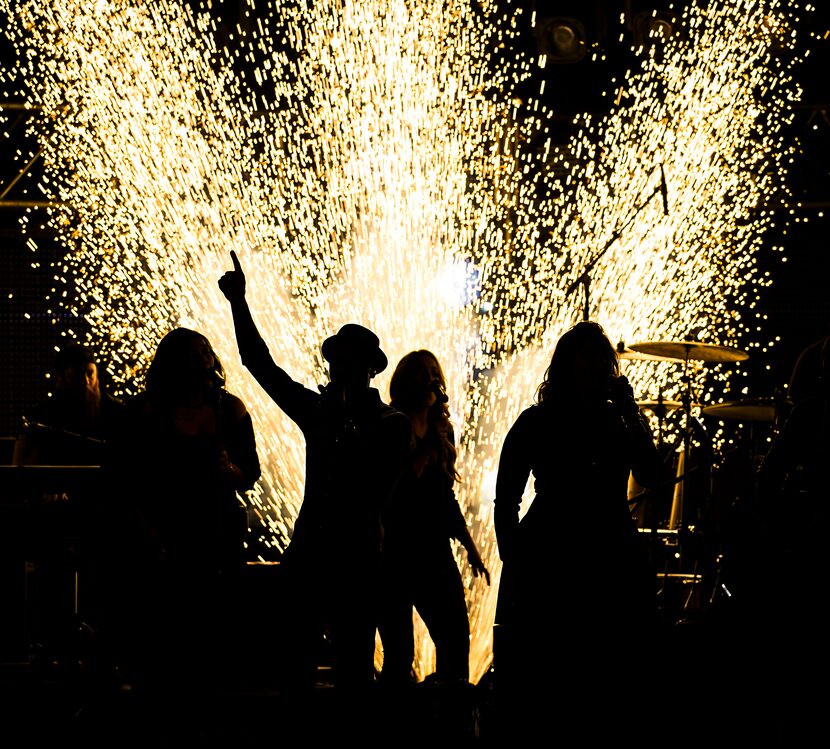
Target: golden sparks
x=371 y=162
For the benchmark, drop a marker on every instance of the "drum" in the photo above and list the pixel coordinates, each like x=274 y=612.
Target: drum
x=680 y=500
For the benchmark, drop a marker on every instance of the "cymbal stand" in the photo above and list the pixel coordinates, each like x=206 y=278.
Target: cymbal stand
x=676 y=517
x=660 y=413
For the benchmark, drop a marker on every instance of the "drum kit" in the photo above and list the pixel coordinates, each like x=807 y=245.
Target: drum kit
x=681 y=517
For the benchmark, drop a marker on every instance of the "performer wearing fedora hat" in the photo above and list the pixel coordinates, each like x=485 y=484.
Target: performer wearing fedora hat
x=354 y=341
x=355 y=450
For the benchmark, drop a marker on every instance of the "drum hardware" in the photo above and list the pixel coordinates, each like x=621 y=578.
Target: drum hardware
x=660 y=406
x=668 y=535
x=682 y=351
x=638 y=494
x=693 y=580
x=688 y=350
x=680 y=536
x=624 y=352
x=676 y=516
x=685 y=350
x=749 y=409
x=62 y=493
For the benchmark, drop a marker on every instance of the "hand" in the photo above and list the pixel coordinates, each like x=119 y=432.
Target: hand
x=477 y=564
x=442 y=422
x=231 y=472
x=622 y=395
x=232 y=282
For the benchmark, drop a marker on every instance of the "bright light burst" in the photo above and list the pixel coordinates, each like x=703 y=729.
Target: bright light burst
x=369 y=163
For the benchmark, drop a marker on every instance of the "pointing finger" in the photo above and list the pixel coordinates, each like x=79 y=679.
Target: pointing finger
x=235 y=260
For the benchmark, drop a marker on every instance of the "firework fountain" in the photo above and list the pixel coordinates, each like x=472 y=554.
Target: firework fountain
x=372 y=162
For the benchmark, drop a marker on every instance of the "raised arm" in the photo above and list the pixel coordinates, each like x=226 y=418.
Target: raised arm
x=252 y=348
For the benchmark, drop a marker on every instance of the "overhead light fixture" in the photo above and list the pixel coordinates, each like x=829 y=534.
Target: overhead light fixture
x=654 y=27
x=561 y=39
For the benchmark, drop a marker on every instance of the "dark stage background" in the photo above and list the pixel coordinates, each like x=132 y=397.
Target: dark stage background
x=797 y=310
x=796 y=304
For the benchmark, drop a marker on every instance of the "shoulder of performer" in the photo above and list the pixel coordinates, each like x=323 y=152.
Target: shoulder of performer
x=235 y=405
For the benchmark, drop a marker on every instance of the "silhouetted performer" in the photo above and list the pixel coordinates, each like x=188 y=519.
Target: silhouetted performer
x=792 y=478
x=69 y=428
x=577 y=595
x=355 y=449
x=422 y=519
x=791 y=566
x=788 y=504
x=183 y=455
x=807 y=378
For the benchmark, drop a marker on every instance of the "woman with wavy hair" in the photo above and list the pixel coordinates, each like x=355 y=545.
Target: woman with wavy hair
x=184 y=456
x=198 y=440
x=420 y=523
x=577 y=593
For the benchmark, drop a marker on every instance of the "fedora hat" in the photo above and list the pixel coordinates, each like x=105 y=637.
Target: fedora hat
x=358 y=342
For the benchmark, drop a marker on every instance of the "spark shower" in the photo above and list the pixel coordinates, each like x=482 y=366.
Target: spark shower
x=374 y=162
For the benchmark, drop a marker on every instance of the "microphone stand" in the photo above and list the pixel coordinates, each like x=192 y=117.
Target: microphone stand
x=36 y=425
x=585 y=277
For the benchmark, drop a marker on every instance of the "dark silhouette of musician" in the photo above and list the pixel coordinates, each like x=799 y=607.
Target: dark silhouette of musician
x=577 y=596
x=70 y=428
x=784 y=516
x=355 y=450
x=792 y=482
x=790 y=564
x=182 y=458
x=422 y=519
x=808 y=378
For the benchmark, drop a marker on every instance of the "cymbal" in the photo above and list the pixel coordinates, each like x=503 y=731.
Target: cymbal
x=683 y=350
x=654 y=405
x=750 y=409
x=627 y=353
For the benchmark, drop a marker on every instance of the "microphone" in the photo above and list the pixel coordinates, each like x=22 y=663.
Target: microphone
x=621 y=396
x=440 y=395
x=618 y=386
x=664 y=193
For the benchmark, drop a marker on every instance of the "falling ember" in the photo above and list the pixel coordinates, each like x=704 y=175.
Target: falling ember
x=369 y=162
